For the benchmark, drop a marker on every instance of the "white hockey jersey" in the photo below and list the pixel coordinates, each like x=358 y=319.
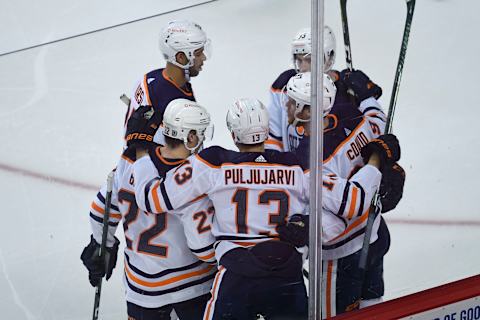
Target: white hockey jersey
x=169 y=257
x=252 y=192
x=351 y=129
x=281 y=135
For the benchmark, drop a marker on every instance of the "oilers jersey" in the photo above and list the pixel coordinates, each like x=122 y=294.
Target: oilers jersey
x=157 y=89
x=169 y=257
x=252 y=192
x=350 y=130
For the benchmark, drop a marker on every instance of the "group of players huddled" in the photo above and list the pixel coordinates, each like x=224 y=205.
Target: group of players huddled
x=220 y=234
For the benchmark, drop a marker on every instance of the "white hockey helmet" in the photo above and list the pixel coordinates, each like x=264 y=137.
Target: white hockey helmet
x=302 y=44
x=183 y=36
x=299 y=89
x=247 y=120
x=182 y=116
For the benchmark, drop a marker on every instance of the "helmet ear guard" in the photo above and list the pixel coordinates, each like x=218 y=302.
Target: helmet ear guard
x=247 y=120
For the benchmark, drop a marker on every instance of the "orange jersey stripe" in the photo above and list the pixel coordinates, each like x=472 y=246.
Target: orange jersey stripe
x=353 y=225
x=274 y=142
x=207 y=257
x=353 y=203
x=221 y=270
x=127 y=159
x=167 y=281
x=170 y=80
x=102 y=211
x=359 y=126
x=156 y=200
x=161 y=158
x=276 y=90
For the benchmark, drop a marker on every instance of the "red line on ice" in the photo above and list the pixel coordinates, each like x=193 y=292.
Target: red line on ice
x=48 y=178
x=89 y=187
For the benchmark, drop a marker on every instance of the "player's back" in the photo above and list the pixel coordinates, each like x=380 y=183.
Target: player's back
x=253 y=192
x=161 y=265
x=350 y=129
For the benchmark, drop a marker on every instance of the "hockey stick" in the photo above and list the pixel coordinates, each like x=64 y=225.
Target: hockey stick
x=374 y=207
x=101 y=252
x=346 y=34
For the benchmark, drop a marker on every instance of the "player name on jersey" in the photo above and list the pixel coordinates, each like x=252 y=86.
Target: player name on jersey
x=356 y=146
x=259 y=176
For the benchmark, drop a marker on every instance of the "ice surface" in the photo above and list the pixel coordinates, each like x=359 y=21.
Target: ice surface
x=61 y=119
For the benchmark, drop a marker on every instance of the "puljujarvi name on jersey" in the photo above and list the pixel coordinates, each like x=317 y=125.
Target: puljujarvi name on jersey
x=259 y=176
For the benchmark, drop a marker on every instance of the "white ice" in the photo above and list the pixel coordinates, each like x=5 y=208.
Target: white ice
x=60 y=117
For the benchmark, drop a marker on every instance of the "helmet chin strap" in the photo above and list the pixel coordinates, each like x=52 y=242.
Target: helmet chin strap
x=298 y=120
x=185 y=68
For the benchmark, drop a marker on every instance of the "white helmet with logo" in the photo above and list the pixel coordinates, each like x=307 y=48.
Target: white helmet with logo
x=299 y=89
x=302 y=45
x=183 y=36
x=182 y=116
x=247 y=120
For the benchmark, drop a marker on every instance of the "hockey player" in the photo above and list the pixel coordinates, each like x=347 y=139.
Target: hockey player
x=343 y=142
x=168 y=256
x=283 y=135
x=185 y=47
x=253 y=202
x=254 y=192
x=279 y=136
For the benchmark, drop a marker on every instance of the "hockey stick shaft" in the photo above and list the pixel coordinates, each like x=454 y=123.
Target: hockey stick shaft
x=103 y=245
x=346 y=34
x=374 y=207
x=401 y=62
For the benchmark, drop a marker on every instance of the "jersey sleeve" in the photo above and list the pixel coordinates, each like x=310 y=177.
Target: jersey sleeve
x=374 y=114
x=350 y=198
x=197 y=217
x=181 y=185
x=97 y=210
x=275 y=109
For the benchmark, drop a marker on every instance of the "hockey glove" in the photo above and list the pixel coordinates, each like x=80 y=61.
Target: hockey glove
x=295 y=231
x=142 y=126
x=391 y=187
x=386 y=146
x=360 y=85
x=94 y=264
